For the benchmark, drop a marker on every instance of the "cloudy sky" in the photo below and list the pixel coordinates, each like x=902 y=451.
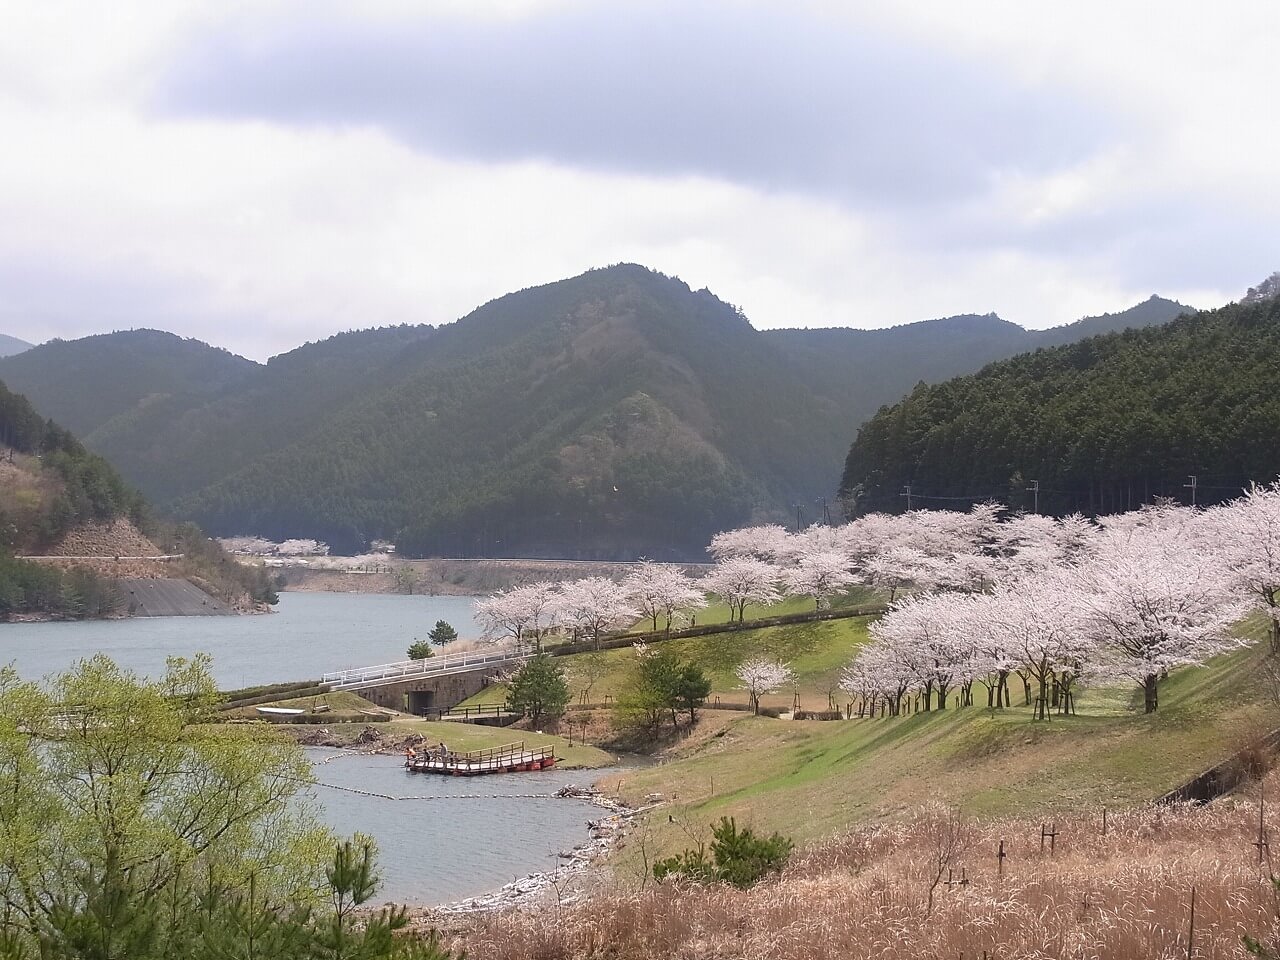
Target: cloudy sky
x=262 y=174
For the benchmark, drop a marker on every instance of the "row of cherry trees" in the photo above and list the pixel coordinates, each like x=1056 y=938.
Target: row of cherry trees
x=977 y=598
x=590 y=606
x=1057 y=603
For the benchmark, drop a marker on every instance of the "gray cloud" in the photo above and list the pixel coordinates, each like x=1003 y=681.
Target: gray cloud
x=772 y=98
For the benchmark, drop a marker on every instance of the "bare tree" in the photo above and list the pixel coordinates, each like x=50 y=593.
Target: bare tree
x=948 y=838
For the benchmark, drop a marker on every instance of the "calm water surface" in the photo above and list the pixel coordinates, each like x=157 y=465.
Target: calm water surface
x=479 y=832
x=310 y=633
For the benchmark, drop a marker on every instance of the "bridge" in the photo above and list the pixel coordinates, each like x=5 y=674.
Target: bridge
x=419 y=686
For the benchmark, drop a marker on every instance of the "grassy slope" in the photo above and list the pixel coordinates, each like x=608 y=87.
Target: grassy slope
x=816 y=652
x=809 y=779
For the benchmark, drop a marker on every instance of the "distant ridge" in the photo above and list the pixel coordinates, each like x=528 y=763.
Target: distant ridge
x=611 y=415
x=12 y=345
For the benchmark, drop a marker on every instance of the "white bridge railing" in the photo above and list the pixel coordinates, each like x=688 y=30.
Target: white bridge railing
x=409 y=669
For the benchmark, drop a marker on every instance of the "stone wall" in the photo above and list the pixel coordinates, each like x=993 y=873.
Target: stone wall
x=448 y=691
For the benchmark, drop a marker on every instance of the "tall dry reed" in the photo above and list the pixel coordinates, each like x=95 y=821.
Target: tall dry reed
x=865 y=894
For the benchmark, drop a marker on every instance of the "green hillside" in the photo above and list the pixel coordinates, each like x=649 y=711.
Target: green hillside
x=614 y=414
x=1105 y=424
x=810 y=779
x=52 y=486
x=861 y=370
x=83 y=384
x=68 y=484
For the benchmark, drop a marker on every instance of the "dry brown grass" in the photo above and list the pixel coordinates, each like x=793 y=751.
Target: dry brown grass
x=864 y=894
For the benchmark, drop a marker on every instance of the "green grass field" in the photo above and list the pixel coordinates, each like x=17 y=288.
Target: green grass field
x=817 y=652
x=810 y=779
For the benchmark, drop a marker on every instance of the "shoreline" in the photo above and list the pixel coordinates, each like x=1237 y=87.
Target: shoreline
x=579 y=863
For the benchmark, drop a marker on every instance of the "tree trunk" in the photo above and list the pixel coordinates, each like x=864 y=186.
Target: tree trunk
x=1151 y=692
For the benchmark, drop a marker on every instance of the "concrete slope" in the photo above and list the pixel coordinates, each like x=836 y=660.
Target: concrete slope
x=170 y=598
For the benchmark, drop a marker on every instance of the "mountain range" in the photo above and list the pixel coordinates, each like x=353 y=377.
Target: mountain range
x=614 y=414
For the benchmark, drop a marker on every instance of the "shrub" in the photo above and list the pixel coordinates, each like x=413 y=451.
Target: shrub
x=819 y=715
x=738 y=857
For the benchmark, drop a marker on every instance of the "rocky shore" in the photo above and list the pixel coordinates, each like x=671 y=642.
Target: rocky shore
x=567 y=883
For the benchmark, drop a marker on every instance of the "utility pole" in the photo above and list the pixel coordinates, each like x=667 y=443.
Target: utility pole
x=1034 y=489
x=826 y=514
x=798 y=508
x=1192 y=487
x=906 y=492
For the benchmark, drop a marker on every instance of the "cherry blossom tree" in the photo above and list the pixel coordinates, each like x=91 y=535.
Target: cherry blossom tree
x=930 y=636
x=820 y=574
x=514 y=614
x=1246 y=534
x=593 y=605
x=872 y=534
x=739 y=581
x=1039 y=622
x=661 y=590
x=1153 y=602
x=880 y=676
x=760 y=676
x=900 y=568
x=768 y=542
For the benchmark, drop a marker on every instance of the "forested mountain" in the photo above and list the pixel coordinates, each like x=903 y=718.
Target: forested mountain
x=11 y=345
x=1104 y=424
x=83 y=384
x=75 y=485
x=617 y=413
x=863 y=369
x=54 y=493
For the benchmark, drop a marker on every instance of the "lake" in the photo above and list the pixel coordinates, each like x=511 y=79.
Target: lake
x=310 y=634
x=476 y=834
x=474 y=837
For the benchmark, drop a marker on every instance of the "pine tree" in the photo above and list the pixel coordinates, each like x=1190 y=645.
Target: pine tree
x=442 y=633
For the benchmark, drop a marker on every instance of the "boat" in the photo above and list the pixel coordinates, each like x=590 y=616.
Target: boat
x=280 y=711
x=508 y=758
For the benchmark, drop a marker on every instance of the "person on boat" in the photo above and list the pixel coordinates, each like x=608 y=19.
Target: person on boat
x=444 y=751
x=410 y=754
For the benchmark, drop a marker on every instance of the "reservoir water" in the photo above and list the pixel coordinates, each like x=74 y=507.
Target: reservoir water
x=309 y=634
x=476 y=836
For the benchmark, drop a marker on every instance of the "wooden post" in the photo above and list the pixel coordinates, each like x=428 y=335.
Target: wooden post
x=1051 y=834
x=1191 y=930
x=1000 y=855
x=1104 y=821
x=1261 y=843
